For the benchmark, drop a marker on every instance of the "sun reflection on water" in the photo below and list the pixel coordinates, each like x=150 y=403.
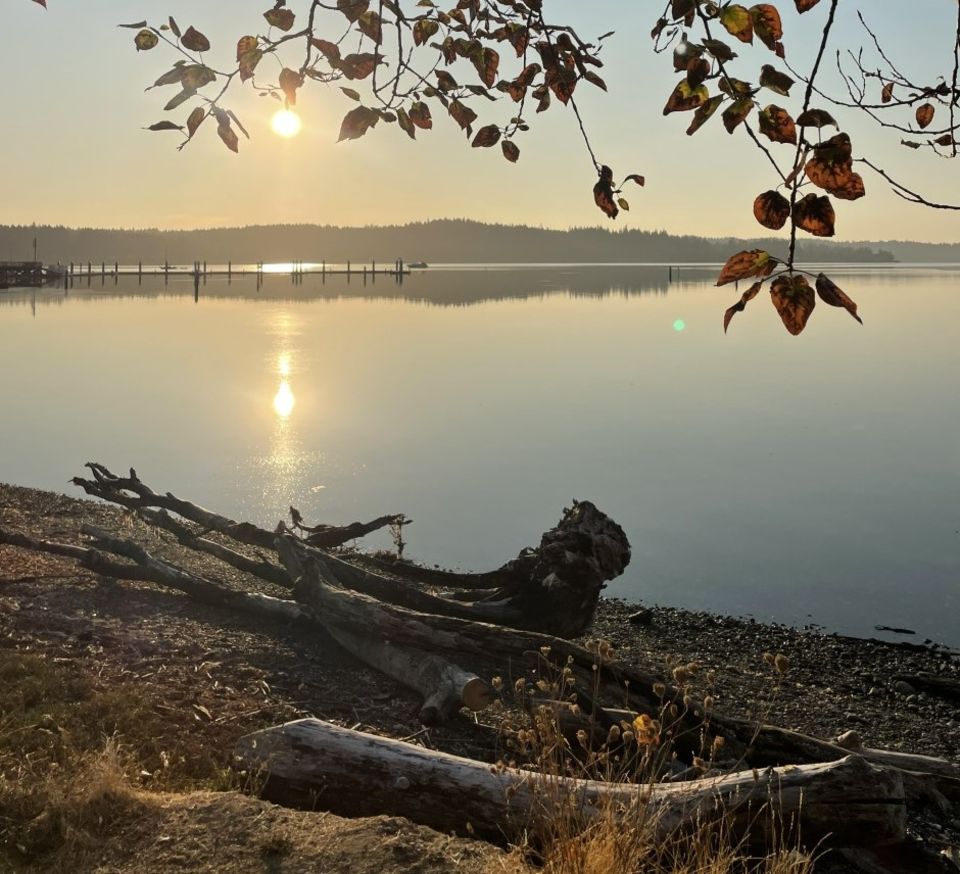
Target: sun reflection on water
x=283 y=400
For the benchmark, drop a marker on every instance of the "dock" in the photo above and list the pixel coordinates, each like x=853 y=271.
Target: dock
x=35 y=274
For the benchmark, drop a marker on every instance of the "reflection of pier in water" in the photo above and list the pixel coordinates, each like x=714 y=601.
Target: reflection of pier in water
x=438 y=287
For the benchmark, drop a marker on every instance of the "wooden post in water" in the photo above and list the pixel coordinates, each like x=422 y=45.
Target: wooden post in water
x=323 y=269
x=140 y=271
x=348 y=269
x=229 y=271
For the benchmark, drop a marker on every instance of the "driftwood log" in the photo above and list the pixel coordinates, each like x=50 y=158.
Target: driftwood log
x=553 y=588
x=313 y=763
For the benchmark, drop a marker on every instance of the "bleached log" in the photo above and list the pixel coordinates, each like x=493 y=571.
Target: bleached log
x=317 y=764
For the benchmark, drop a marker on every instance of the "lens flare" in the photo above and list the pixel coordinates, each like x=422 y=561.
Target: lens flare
x=286 y=123
x=679 y=325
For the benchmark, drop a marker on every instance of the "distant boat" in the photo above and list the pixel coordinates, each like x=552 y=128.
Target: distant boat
x=418 y=265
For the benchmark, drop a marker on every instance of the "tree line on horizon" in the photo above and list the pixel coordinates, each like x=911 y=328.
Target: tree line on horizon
x=439 y=241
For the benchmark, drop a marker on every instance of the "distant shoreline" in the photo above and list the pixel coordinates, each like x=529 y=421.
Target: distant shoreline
x=436 y=242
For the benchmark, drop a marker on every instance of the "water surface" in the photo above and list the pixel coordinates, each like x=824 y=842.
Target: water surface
x=810 y=479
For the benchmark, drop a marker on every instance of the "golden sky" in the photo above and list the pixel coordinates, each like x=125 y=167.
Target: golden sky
x=73 y=150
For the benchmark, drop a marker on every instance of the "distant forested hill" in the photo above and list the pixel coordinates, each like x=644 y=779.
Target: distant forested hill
x=440 y=241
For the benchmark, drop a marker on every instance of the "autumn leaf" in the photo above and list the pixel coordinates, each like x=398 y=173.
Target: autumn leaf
x=420 y=115
x=282 y=19
x=704 y=114
x=357 y=122
x=486 y=137
x=195 y=41
x=603 y=193
x=794 y=301
x=815 y=215
x=229 y=136
x=510 y=151
x=353 y=9
x=741 y=304
x=925 y=115
x=737 y=112
x=772 y=210
x=423 y=30
x=754 y=262
x=487 y=63
x=462 y=114
x=831 y=168
x=775 y=80
x=371 y=26
x=165 y=125
x=766 y=24
x=685 y=98
x=816 y=118
x=736 y=19
x=805 y=5
x=359 y=65
x=145 y=40
x=636 y=177
x=195 y=119
x=829 y=293
x=777 y=125
x=290 y=81
x=886 y=95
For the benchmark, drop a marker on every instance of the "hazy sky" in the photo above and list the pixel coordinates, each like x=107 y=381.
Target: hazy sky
x=72 y=150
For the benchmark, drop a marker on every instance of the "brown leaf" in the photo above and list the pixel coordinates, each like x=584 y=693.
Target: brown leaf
x=195 y=119
x=357 y=122
x=229 y=136
x=462 y=114
x=487 y=136
x=195 y=41
x=145 y=40
x=829 y=293
x=290 y=81
x=510 y=151
x=487 y=63
x=772 y=210
x=685 y=98
x=816 y=118
x=794 y=300
x=420 y=115
x=736 y=113
x=887 y=94
x=925 y=114
x=777 y=125
x=704 y=114
x=603 y=193
x=766 y=24
x=280 y=18
x=752 y=262
x=815 y=215
x=741 y=304
x=359 y=65
x=805 y=5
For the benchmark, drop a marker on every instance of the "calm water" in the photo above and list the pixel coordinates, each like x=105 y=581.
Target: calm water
x=812 y=479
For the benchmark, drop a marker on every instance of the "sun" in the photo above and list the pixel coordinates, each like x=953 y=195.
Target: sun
x=286 y=123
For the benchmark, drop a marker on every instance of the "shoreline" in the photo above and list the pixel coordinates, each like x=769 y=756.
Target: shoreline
x=204 y=677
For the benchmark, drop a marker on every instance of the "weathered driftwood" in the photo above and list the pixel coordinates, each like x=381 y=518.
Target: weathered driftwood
x=926 y=778
x=133 y=493
x=314 y=763
x=552 y=588
x=149 y=569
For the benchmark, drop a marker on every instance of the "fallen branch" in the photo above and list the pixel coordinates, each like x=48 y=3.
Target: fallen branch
x=314 y=763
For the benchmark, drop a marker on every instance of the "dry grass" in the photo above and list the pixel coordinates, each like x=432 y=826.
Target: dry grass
x=72 y=755
x=567 y=837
